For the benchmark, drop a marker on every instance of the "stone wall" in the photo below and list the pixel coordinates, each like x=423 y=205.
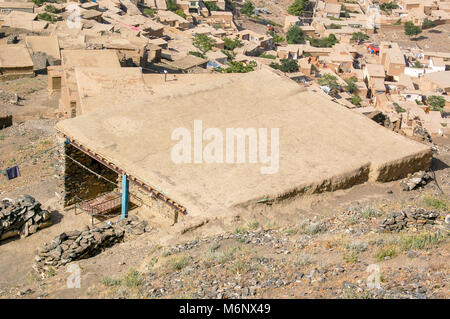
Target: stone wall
x=23 y=217
x=409 y=218
x=74 y=180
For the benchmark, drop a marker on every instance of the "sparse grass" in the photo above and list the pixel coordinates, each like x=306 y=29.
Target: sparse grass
x=152 y=262
x=369 y=212
x=253 y=224
x=240 y=230
x=51 y=272
x=133 y=279
x=386 y=251
x=303 y=260
x=222 y=256
x=420 y=241
x=436 y=202
x=111 y=282
x=292 y=231
x=352 y=220
x=178 y=262
x=350 y=257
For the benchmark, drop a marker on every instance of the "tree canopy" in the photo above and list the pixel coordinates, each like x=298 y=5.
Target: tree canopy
x=295 y=35
x=436 y=102
x=412 y=30
x=330 y=81
x=287 y=65
x=203 y=42
x=248 y=8
x=297 y=7
x=231 y=44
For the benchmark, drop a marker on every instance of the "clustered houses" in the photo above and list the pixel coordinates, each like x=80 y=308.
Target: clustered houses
x=385 y=76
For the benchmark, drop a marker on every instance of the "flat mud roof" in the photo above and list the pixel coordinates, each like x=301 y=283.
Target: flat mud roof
x=322 y=145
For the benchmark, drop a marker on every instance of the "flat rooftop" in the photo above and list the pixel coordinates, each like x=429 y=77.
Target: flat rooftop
x=322 y=145
x=14 y=56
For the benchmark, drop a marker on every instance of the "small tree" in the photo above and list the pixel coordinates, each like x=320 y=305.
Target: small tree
x=212 y=6
x=181 y=13
x=359 y=36
x=428 y=24
x=231 y=44
x=330 y=81
x=351 y=85
x=239 y=67
x=436 y=102
x=248 y=8
x=298 y=7
x=412 y=30
x=356 y=100
x=203 y=42
x=388 y=6
x=171 y=5
x=287 y=65
x=295 y=35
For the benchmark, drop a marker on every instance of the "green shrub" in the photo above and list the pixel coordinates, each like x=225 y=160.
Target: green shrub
x=133 y=279
x=287 y=65
x=212 y=6
x=386 y=251
x=434 y=202
x=294 y=35
x=267 y=56
x=178 y=262
x=421 y=241
x=231 y=44
x=149 y=12
x=427 y=24
x=436 y=102
x=297 y=7
x=47 y=17
x=327 y=42
x=248 y=8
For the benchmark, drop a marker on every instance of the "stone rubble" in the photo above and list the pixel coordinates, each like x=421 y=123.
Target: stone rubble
x=23 y=217
x=408 y=218
x=415 y=180
x=85 y=243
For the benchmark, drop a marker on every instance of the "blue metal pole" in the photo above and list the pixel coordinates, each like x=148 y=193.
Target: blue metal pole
x=125 y=196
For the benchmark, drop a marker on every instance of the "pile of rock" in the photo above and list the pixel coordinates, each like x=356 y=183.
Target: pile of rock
x=417 y=179
x=23 y=217
x=409 y=218
x=132 y=225
x=88 y=242
x=76 y=245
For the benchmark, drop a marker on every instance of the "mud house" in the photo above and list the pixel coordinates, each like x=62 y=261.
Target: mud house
x=46 y=44
x=435 y=81
x=392 y=58
x=63 y=79
x=374 y=75
x=134 y=144
x=172 y=19
x=8 y=6
x=15 y=62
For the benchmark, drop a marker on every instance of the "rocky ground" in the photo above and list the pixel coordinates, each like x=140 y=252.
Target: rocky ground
x=328 y=245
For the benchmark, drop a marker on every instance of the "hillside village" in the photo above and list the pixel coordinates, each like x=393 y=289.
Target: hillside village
x=90 y=92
